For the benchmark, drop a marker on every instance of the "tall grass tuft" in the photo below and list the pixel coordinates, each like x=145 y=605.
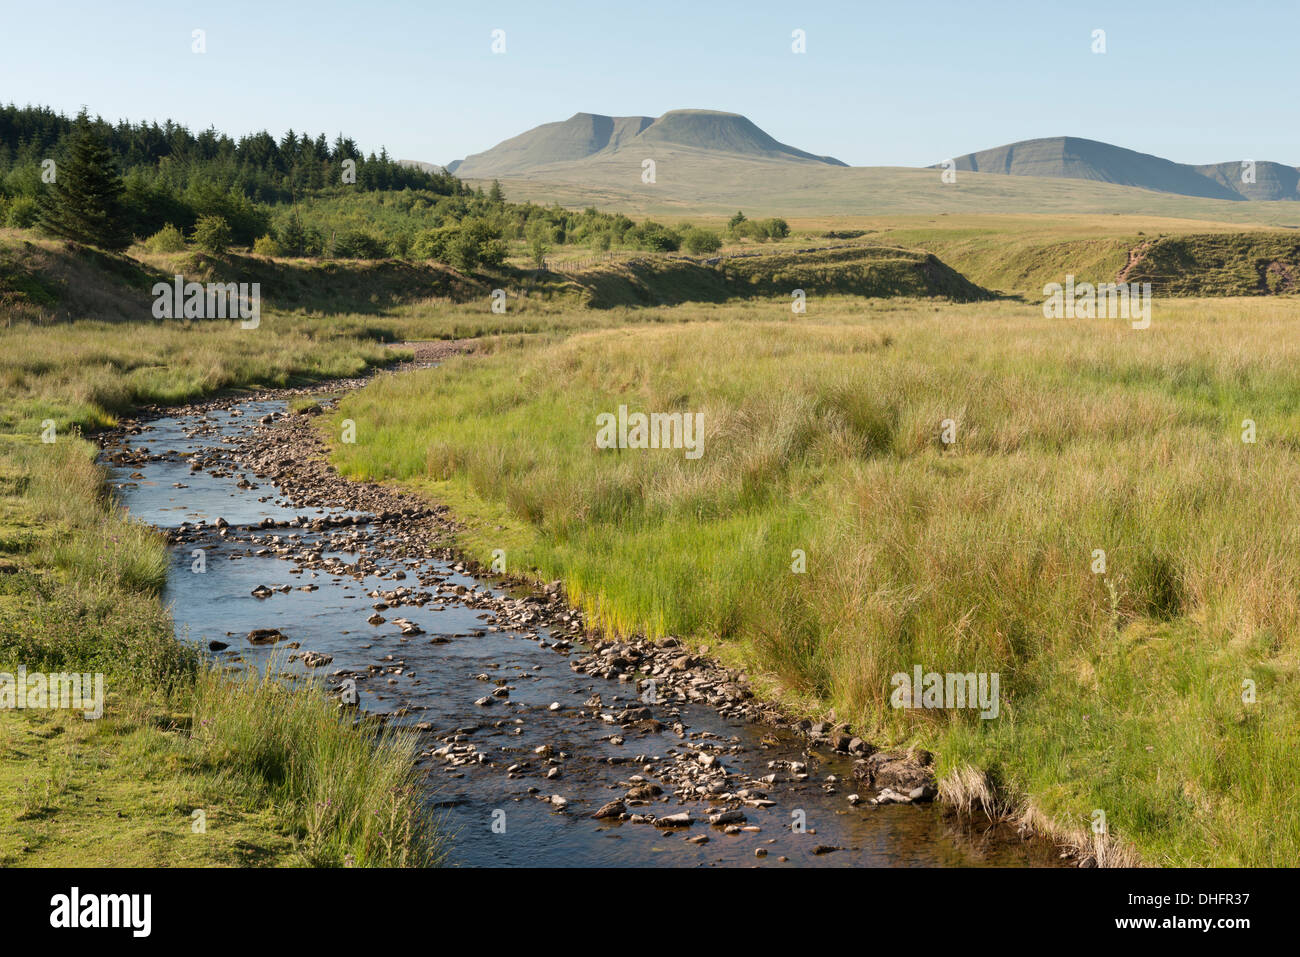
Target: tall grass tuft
x=352 y=793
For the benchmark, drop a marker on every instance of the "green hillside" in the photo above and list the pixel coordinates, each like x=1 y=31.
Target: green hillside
x=1220 y=265
x=869 y=271
x=698 y=183
x=1019 y=255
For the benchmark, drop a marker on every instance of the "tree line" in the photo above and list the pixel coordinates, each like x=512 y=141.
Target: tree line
x=109 y=185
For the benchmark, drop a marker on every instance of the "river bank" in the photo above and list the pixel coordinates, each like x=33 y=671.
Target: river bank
x=186 y=766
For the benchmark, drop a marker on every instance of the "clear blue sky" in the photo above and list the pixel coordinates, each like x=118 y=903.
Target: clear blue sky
x=882 y=83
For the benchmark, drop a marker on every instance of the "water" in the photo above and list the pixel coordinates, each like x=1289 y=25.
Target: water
x=439 y=681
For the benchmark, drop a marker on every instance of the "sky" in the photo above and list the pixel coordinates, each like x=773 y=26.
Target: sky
x=897 y=83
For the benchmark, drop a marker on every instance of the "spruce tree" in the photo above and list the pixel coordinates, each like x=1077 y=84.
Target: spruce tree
x=84 y=203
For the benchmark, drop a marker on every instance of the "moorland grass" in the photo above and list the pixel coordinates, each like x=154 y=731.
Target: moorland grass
x=83 y=375
x=1121 y=691
x=702 y=186
x=352 y=791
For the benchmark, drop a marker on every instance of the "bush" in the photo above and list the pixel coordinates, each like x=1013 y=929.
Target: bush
x=656 y=237
x=22 y=213
x=268 y=245
x=212 y=235
x=433 y=243
x=761 y=230
x=699 y=241
x=399 y=245
x=776 y=228
x=477 y=242
x=358 y=244
x=313 y=243
x=166 y=240
x=244 y=218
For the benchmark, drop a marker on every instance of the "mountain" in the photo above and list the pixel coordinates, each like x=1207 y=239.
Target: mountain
x=1272 y=180
x=422 y=166
x=586 y=136
x=1071 y=157
x=713 y=163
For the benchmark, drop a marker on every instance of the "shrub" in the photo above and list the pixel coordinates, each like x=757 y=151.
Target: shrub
x=399 y=245
x=656 y=237
x=358 y=244
x=22 y=213
x=477 y=242
x=313 y=243
x=699 y=241
x=776 y=228
x=166 y=240
x=433 y=243
x=761 y=230
x=212 y=235
x=268 y=245
x=293 y=238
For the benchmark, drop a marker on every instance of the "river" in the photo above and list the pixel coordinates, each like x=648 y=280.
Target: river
x=497 y=816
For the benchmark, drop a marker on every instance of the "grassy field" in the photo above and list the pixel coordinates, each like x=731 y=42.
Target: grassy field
x=275 y=776
x=1121 y=691
x=695 y=183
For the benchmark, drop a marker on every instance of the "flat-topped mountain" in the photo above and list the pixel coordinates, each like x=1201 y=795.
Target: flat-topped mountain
x=1071 y=157
x=587 y=135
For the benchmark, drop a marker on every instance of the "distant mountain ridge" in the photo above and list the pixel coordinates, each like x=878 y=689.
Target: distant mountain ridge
x=708 y=159
x=587 y=135
x=1072 y=157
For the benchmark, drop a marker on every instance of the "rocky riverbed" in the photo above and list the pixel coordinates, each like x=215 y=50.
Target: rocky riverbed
x=545 y=743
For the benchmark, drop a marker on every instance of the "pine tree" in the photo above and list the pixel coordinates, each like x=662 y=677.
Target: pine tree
x=84 y=203
x=293 y=237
